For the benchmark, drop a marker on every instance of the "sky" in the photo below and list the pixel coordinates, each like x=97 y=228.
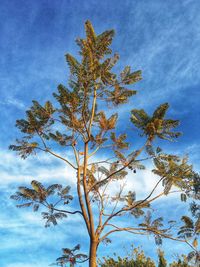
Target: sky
x=162 y=38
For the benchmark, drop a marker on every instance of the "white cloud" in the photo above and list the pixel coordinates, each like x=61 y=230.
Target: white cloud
x=44 y=168
x=13 y=102
x=25 y=229
x=34 y=264
x=193 y=152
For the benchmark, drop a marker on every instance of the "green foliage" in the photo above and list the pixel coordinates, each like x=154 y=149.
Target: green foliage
x=113 y=170
x=24 y=148
x=75 y=121
x=119 y=142
x=182 y=262
x=190 y=228
x=174 y=171
x=153 y=227
x=38 y=118
x=107 y=124
x=161 y=259
x=93 y=71
x=195 y=209
x=62 y=139
x=195 y=191
x=156 y=125
x=38 y=196
x=70 y=256
x=136 y=259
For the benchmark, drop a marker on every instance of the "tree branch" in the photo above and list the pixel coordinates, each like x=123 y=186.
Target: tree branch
x=133 y=229
x=69 y=212
x=46 y=149
x=85 y=165
x=121 y=169
x=81 y=201
x=59 y=157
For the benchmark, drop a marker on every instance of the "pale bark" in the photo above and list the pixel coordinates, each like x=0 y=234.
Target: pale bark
x=93 y=253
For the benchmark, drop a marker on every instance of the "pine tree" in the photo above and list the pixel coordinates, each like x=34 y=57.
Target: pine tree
x=78 y=122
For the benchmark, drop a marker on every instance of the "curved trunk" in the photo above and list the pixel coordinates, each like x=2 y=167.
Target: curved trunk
x=93 y=253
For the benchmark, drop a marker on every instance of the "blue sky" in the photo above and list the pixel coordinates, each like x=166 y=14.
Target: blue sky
x=162 y=38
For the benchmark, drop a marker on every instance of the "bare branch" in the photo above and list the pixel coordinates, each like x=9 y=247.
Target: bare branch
x=46 y=149
x=58 y=156
x=69 y=212
x=133 y=229
x=81 y=201
x=92 y=111
x=103 y=161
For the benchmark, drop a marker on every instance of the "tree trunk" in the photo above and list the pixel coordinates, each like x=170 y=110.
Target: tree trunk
x=93 y=253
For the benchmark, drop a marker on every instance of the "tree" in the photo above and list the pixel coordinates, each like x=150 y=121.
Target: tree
x=191 y=229
x=136 y=258
x=161 y=259
x=77 y=121
x=181 y=262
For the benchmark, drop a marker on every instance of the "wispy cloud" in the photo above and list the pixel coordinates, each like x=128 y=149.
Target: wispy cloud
x=160 y=37
x=13 y=102
x=42 y=167
x=24 y=230
x=34 y=264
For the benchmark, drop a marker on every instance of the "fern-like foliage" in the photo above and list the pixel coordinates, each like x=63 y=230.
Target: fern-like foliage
x=24 y=147
x=154 y=227
x=155 y=125
x=120 y=141
x=38 y=118
x=75 y=120
x=113 y=172
x=71 y=256
x=39 y=195
x=93 y=72
x=175 y=172
x=195 y=209
x=190 y=228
